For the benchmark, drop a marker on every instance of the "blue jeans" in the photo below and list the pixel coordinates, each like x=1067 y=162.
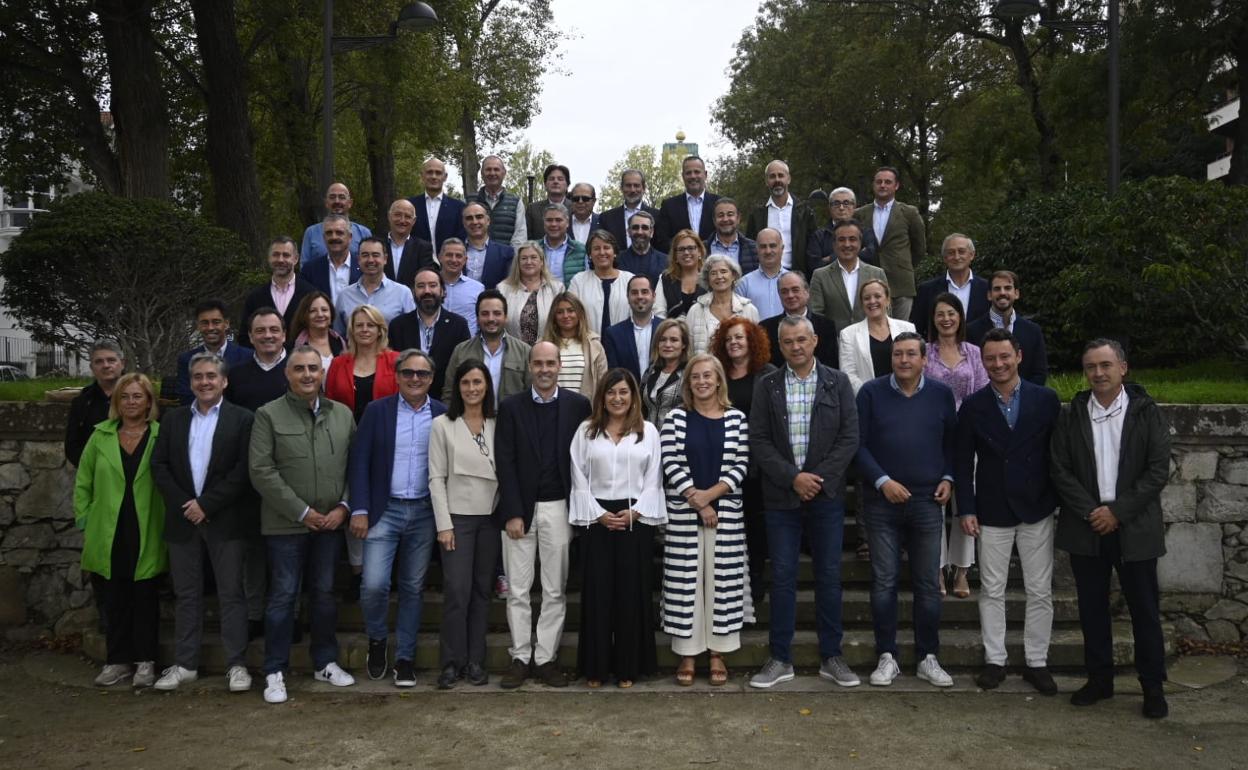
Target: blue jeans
x=918 y=524
x=311 y=557
x=824 y=522
x=406 y=532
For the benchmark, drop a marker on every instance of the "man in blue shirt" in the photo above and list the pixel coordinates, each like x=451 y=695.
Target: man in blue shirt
x=337 y=201
x=392 y=298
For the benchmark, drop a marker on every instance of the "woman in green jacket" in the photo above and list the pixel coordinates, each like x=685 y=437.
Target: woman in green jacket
x=122 y=516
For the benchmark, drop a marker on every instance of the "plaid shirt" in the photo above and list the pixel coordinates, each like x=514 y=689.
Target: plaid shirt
x=799 y=400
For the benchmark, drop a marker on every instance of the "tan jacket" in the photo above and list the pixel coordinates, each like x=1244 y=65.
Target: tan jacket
x=461 y=475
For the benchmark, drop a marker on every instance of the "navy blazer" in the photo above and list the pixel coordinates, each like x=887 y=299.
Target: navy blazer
x=1035 y=365
x=612 y=220
x=516 y=449
x=235 y=354
x=674 y=217
x=317 y=273
x=498 y=258
x=450 y=222
x=1011 y=483
x=372 y=456
x=621 y=346
x=925 y=296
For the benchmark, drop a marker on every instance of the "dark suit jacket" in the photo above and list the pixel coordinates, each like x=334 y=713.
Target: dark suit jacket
x=595 y=223
x=674 y=217
x=498 y=258
x=903 y=245
x=451 y=330
x=612 y=220
x=1010 y=484
x=821 y=248
x=802 y=225
x=827 y=349
x=372 y=455
x=417 y=254
x=519 y=461
x=1035 y=365
x=87 y=409
x=317 y=273
x=228 y=500
x=235 y=354
x=925 y=298
x=621 y=345
x=450 y=222
x=260 y=297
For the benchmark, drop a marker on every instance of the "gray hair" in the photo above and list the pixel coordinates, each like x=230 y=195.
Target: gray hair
x=642 y=213
x=211 y=358
x=408 y=353
x=1106 y=342
x=788 y=320
x=951 y=236
x=562 y=209
x=715 y=259
x=336 y=218
x=302 y=350
x=451 y=242
x=107 y=343
x=638 y=172
x=841 y=190
x=798 y=274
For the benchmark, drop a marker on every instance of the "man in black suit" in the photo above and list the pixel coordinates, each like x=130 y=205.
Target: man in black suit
x=284 y=291
x=1003 y=292
x=405 y=253
x=339 y=268
x=584 y=221
x=213 y=326
x=200 y=465
x=627 y=343
x=821 y=246
x=437 y=215
x=615 y=221
x=795 y=297
x=958 y=251
x=555 y=178
x=791 y=217
x=430 y=327
x=695 y=205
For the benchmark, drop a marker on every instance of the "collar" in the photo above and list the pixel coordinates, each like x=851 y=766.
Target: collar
x=771 y=202
x=697 y=198
x=537 y=397
x=886 y=207
x=892 y=380
x=814 y=373
x=549 y=245
x=1119 y=401
x=805 y=313
x=857 y=265
x=214 y=409
x=484 y=245
x=649 y=322
x=970 y=276
x=290 y=285
x=393 y=242
x=999 y=320
x=424 y=406
x=437 y=197
x=272 y=366
x=1013 y=392
x=736 y=239
x=493 y=196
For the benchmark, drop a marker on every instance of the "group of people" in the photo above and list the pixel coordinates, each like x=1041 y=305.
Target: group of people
x=507 y=397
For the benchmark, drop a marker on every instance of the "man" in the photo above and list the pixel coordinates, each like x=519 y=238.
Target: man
x=1111 y=460
x=261 y=378
x=284 y=290
x=459 y=291
x=337 y=201
x=488 y=261
x=391 y=512
x=405 y=252
x=834 y=287
x=391 y=298
x=214 y=328
x=555 y=178
x=299 y=447
x=627 y=343
x=803 y=433
x=1003 y=294
x=1005 y=498
x=430 y=328
x=532 y=441
x=782 y=212
x=565 y=257
x=958 y=251
x=695 y=205
x=761 y=286
x=438 y=215
x=900 y=237
x=507 y=217
x=584 y=220
x=337 y=269
x=905 y=453
x=641 y=258
x=90 y=406
x=200 y=465
x=795 y=301
x=728 y=241
x=504 y=355
x=615 y=220
x=821 y=247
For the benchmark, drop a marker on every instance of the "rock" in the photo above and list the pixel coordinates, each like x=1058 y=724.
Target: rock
x=1223 y=503
x=1063 y=578
x=30 y=536
x=1235 y=471
x=1222 y=631
x=12 y=608
x=7 y=514
x=45 y=596
x=8 y=451
x=1187 y=628
x=13 y=476
x=26 y=633
x=24 y=559
x=70 y=538
x=1178 y=502
x=74 y=577
x=1228 y=609
x=49 y=496
x=75 y=621
x=44 y=454
x=1187 y=604
x=63 y=556
x=1198 y=466
x=79 y=598
x=1193 y=560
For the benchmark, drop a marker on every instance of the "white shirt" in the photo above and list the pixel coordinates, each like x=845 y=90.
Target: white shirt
x=396 y=253
x=1107 y=442
x=199 y=442
x=433 y=204
x=850 y=279
x=642 y=335
x=339 y=278
x=270 y=367
x=494 y=362
x=879 y=219
x=694 y=206
x=963 y=292
x=781 y=218
x=581 y=230
x=605 y=470
x=628 y=216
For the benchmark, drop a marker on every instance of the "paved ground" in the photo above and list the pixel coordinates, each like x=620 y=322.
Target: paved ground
x=51 y=717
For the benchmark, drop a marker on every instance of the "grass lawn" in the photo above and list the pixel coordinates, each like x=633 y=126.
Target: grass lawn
x=33 y=390
x=1201 y=382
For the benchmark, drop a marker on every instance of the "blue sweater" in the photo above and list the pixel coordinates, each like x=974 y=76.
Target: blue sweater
x=910 y=440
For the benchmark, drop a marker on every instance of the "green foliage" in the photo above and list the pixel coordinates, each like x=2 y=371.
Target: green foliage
x=521 y=163
x=1209 y=381
x=138 y=266
x=662 y=171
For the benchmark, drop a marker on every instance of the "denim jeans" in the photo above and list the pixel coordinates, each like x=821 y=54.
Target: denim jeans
x=824 y=522
x=405 y=532
x=917 y=523
x=311 y=557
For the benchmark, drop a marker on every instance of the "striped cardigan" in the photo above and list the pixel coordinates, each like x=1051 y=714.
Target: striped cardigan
x=680 y=558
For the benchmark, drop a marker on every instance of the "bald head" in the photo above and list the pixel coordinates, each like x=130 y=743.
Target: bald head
x=402 y=216
x=433 y=175
x=544 y=368
x=338 y=199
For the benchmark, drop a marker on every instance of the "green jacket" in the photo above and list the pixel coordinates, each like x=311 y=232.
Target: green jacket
x=298 y=460
x=574 y=260
x=99 y=489
x=515 y=373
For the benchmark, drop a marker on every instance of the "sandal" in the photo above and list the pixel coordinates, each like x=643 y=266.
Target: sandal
x=684 y=674
x=593 y=684
x=961 y=588
x=624 y=684
x=719 y=671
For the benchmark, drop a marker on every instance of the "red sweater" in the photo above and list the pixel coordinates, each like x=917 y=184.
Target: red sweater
x=340 y=379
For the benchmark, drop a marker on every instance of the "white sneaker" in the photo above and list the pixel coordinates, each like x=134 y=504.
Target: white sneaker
x=173 y=676
x=239 y=679
x=930 y=671
x=335 y=676
x=885 y=671
x=144 y=673
x=113 y=673
x=275 y=688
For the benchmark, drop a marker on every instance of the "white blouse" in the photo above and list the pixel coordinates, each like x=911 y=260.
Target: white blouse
x=604 y=470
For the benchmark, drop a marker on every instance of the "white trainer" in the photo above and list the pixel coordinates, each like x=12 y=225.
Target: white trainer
x=930 y=671
x=333 y=674
x=275 y=688
x=885 y=671
x=144 y=673
x=175 y=675
x=113 y=673
x=239 y=679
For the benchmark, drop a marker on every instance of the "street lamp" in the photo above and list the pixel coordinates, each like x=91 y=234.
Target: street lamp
x=414 y=16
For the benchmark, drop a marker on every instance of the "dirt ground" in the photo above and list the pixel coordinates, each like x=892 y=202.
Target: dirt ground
x=50 y=716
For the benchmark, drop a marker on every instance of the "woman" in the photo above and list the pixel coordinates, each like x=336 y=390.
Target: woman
x=681 y=284
x=744 y=351
x=617 y=493
x=706 y=596
x=866 y=347
x=660 y=384
x=530 y=290
x=604 y=288
x=122 y=515
x=583 y=361
x=313 y=325
x=464 y=490
x=720 y=275
x=957 y=363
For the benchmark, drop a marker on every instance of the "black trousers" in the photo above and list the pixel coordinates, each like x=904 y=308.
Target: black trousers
x=132 y=608
x=1139 y=586
x=755 y=536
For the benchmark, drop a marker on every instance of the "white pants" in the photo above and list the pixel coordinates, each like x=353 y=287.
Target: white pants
x=546 y=541
x=1035 y=551
x=704 y=637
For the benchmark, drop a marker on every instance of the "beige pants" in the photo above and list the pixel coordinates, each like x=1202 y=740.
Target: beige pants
x=704 y=638
x=546 y=541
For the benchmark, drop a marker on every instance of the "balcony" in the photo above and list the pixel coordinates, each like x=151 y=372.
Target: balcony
x=1218 y=168
x=1221 y=119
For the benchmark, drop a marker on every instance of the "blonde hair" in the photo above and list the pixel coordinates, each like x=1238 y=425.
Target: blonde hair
x=513 y=275
x=582 y=331
x=721 y=390
x=379 y=320
x=114 y=401
x=674 y=270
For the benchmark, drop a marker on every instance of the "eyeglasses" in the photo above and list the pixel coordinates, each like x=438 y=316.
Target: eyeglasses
x=841 y=203
x=481 y=445
x=423 y=374
x=686 y=249
x=581 y=198
x=1111 y=414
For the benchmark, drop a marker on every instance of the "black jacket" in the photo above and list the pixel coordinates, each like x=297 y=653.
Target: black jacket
x=417 y=254
x=1035 y=365
x=450 y=330
x=674 y=217
x=827 y=349
x=515 y=445
x=612 y=220
x=925 y=296
x=88 y=408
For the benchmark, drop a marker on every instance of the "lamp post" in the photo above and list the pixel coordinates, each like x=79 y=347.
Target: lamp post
x=414 y=16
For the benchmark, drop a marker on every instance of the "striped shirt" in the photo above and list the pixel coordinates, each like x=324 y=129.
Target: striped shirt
x=572 y=369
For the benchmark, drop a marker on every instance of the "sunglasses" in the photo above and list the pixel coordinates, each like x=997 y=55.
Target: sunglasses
x=580 y=198
x=423 y=374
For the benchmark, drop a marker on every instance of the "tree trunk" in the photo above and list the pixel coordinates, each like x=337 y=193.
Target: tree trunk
x=1046 y=143
x=379 y=151
x=470 y=161
x=140 y=115
x=293 y=110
